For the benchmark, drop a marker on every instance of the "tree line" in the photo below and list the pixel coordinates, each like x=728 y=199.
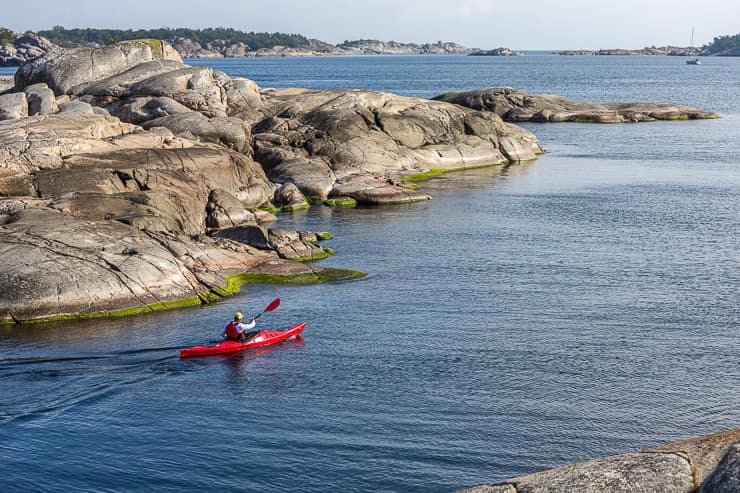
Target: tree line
x=73 y=37
x=723 y=43
x=6 y=36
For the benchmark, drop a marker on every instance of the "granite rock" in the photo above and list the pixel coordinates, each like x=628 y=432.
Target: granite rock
x=13 y=106
x=517 y=106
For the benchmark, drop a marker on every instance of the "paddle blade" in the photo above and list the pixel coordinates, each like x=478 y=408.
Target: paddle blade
x=274 y=304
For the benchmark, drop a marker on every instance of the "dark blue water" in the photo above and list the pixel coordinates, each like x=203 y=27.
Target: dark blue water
x=578 y=306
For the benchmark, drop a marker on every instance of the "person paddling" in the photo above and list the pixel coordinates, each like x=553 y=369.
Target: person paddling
x=237 y=331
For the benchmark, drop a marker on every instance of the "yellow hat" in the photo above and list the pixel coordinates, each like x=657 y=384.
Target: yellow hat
x=238 y=316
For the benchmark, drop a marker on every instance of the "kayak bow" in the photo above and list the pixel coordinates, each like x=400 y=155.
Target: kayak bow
x=264 y=338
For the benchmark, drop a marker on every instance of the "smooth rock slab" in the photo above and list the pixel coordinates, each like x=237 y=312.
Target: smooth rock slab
x=517 y=106
x=629 y=473
x=64 y=70
x=228 y=132
x=678 y=467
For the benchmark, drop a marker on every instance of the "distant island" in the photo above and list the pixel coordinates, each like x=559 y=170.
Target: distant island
x=377 y=47
x=725 y=45
x=497 y=52
x=17 y=48
x=649 y=50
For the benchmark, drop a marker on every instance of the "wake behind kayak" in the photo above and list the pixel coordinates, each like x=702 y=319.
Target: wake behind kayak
x=263 y=338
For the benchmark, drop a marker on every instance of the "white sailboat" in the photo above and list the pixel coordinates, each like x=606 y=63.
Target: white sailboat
x=694 y=61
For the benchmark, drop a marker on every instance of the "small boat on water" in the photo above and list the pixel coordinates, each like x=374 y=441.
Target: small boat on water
x=695 y=60
x=263 y=338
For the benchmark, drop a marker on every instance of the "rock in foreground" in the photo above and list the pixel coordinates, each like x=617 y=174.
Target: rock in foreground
x=710 y=461
x=516 y=106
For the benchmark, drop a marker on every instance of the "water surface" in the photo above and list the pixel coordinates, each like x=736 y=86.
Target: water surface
x=578 y=306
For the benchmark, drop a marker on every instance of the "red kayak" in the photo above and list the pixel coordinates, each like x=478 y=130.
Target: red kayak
x=264 y=338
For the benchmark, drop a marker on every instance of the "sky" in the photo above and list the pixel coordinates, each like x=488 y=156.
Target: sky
x=520 y=24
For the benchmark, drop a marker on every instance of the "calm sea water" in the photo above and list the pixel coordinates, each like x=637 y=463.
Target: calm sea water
x=582 y=305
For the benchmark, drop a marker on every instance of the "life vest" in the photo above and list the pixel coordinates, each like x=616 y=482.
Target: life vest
x=232 y=332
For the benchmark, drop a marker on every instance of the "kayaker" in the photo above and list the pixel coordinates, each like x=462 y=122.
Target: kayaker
x=236 y=330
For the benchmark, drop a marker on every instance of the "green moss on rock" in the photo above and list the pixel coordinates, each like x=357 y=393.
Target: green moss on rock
x=233 y=286
x=431 y=173
x=315 y=255
x=296 y=207
x=313 y=199
x=268 y=207
x=425 y=175
x=306 y=278
x=341 y=202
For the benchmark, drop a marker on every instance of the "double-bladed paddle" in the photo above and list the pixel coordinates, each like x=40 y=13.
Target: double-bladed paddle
x=273 y=304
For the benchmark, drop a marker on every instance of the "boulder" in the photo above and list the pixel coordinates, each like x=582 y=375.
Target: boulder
x=118 y=85
x=194 y=87
x=290 y=245
x=143 y=109
x=10 y=207
x=225 y=211
x=41 y=100
x=297 y=245
x=13 y=106
x=517 y=106
x=76 y=107
x=63 y=70
x=243 y=99
x=228 y=132
x=251 y=235
x=290 y=197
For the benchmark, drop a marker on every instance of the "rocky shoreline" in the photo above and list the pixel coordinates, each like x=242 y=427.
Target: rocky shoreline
x=708 y=464
x=687 y=51
x=131 y=182
x=497 y=52
x=516 y=106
